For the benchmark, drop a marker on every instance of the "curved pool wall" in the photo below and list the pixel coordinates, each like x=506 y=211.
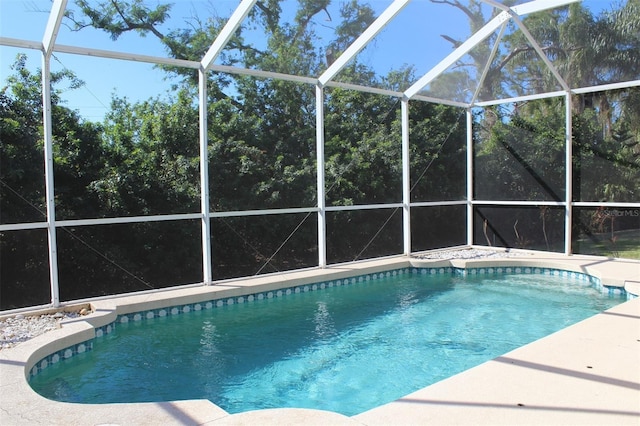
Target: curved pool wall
x=179 y=309
x=77 y=335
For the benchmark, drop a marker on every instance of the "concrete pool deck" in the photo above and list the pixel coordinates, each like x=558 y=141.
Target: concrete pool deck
x=588 y=373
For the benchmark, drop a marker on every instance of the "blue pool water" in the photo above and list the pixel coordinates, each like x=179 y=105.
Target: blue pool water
x=345 y=349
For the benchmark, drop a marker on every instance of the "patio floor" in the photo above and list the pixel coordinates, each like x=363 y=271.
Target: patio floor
x=588 y=373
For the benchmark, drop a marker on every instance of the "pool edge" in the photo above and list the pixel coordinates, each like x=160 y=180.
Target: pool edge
x=22 y=405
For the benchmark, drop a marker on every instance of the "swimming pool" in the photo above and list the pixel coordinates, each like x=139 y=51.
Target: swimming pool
x=388 y=333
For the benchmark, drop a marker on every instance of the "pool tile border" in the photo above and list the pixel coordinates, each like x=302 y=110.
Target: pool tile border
x=61 y=355
x=105 y=330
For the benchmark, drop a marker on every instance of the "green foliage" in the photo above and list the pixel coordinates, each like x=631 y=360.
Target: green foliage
x=438 y=152
x=362 y=148
x=519 y=150
x=151 y=158
x=21 y=160
x=522 y=157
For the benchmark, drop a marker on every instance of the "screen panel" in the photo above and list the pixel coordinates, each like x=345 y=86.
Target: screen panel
x=519 y=151
x=104 y=260
x=606 y=150
x=364 y=234
x=363 y=148
x=254 y=245
x=607 y=231
x=24 y=269
x=533 y=228
x=438 y=227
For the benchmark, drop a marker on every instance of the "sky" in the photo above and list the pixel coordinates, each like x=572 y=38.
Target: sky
x=413 y=37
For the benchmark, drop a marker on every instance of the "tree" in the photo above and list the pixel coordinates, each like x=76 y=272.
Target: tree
x=518 y=145
x=261 y=131
x=76 y=164
x=21 y=157
x=151 y=161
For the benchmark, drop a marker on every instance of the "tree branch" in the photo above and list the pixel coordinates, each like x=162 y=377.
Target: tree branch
x=133 y=26
x=457 y=4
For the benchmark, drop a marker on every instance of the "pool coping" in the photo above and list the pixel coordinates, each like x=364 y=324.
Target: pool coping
x=19 y=404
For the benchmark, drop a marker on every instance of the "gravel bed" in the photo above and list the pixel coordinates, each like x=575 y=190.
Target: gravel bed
x=21 y=328
x=470 y=254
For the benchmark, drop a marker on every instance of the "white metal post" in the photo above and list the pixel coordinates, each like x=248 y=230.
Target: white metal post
x=322 y=223
x=48 y=176
x=207 y=276
x=568 y=208
x=207 y=61
x=470 y=230
x=406 y=178
x=48 y=40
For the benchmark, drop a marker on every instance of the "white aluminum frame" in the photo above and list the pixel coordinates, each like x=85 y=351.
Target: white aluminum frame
x=470 y=183
x=361 y=42
x=484 y=32
x=206 y=65
x=568 y=171
x=51 y=31
x=207 y=273
x=320 y=185
x=406 y=178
